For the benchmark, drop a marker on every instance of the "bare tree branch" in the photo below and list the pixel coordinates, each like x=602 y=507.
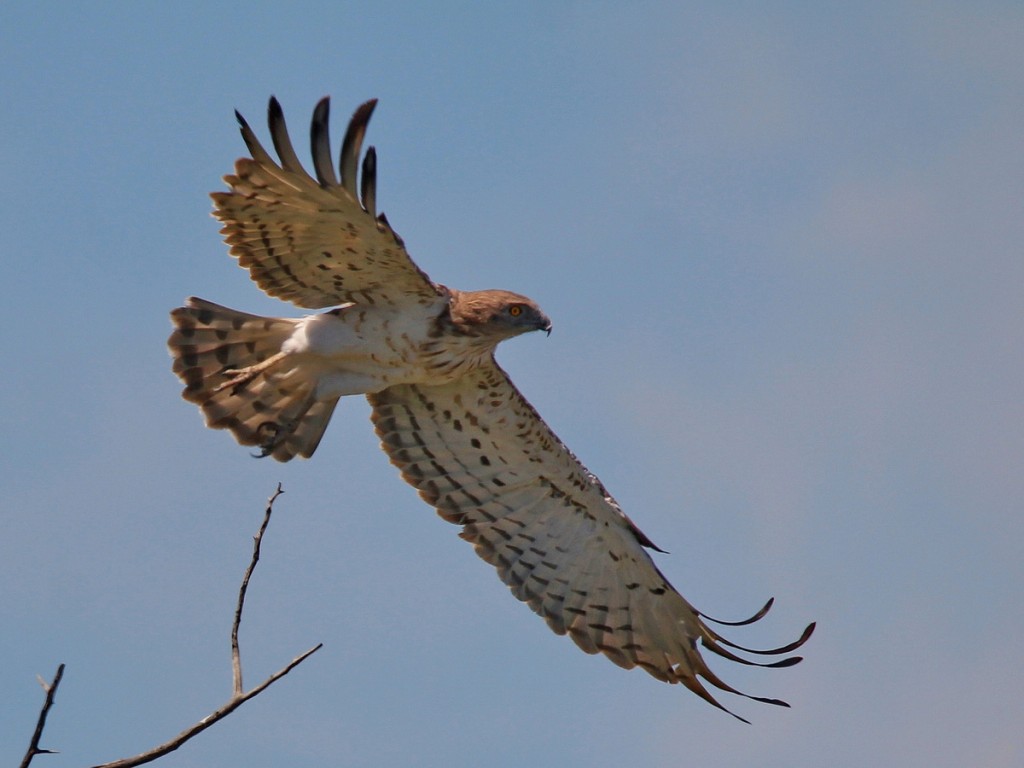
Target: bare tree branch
x=234 y=703
x=51 y=691
x=236 y=658
x=238 y=696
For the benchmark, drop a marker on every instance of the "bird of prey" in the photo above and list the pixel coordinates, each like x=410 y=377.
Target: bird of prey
x=447 y=415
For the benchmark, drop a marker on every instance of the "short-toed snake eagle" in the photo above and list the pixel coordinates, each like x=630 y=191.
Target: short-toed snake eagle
x=447 y=415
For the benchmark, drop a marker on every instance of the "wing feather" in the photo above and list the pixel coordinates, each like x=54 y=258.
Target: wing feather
x=478 y=452
x=320 y=141
x=368 y=182
x=313 y=241
x=353 y=143
x=282 y=141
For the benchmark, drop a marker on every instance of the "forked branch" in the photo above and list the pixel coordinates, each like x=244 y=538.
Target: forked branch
x=238 y=697
x=51 y=691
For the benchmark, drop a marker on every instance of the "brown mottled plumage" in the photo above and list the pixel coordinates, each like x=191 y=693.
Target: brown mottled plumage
x=448 y=416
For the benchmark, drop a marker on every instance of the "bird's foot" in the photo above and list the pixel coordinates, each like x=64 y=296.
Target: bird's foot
x=238 y=378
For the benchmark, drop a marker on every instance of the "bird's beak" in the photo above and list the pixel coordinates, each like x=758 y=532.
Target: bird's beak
x=545 y=325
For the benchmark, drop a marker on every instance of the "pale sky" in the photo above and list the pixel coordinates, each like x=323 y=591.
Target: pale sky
x=782 y=253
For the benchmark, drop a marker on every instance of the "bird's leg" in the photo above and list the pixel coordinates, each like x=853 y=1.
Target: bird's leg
x=239 y=377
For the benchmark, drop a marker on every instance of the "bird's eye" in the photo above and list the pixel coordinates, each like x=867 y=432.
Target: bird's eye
x=515 y=310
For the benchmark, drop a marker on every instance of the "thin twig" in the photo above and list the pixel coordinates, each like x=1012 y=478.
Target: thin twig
x=51 y=691
x=236 y=657
x=234 y=703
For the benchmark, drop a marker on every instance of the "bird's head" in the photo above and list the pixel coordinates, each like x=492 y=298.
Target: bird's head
x=495 y=314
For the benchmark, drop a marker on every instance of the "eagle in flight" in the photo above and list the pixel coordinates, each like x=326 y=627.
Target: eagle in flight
x=447 y=415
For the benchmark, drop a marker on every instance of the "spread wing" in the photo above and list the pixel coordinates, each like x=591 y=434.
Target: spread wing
x=477 y=451
x=315 y=242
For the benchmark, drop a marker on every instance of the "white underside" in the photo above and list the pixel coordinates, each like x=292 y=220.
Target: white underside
x=359 y=349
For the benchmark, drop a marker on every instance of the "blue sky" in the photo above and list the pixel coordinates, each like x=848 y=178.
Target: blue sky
x=782 y=253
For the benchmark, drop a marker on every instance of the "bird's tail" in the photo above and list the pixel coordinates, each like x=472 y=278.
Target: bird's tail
x=234 y=370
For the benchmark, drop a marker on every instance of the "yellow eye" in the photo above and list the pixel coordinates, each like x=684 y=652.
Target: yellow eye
x=515 y=310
